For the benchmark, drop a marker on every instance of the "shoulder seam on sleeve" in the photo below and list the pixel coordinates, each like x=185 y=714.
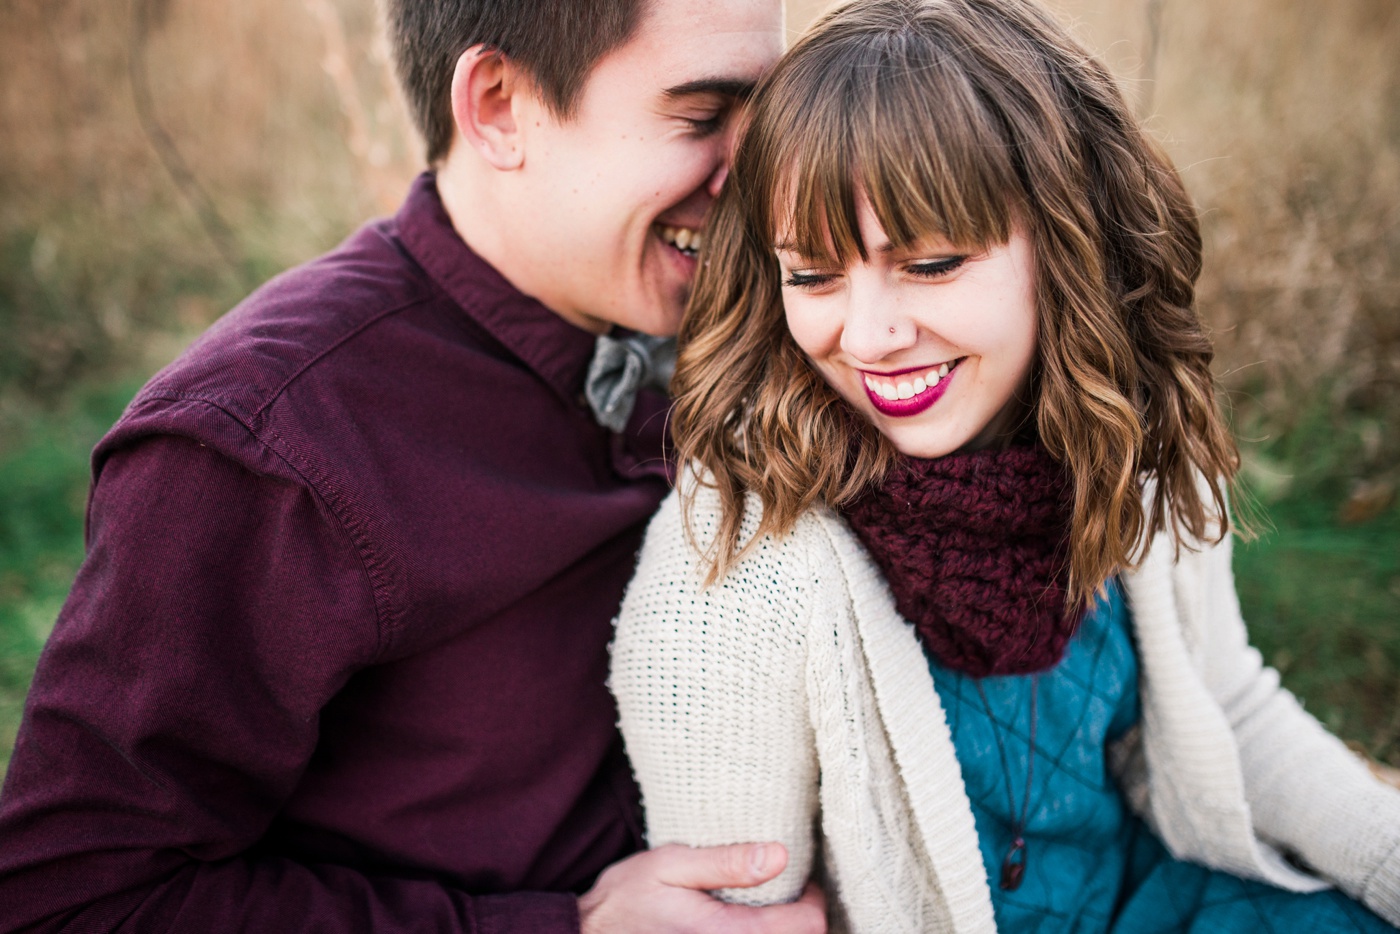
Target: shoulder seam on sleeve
x=387 y=616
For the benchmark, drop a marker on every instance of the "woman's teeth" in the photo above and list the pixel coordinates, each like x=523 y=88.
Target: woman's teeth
x=903 y=387
x=685 y=239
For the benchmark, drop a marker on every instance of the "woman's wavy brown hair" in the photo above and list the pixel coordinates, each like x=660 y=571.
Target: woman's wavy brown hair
x=961 y=118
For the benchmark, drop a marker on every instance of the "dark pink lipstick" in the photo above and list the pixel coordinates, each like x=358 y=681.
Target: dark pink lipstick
x=903 y=408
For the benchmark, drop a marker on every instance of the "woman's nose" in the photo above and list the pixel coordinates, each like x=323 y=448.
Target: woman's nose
x=875 y=326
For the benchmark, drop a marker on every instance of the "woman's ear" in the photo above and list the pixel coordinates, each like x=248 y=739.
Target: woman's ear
x=485 y=86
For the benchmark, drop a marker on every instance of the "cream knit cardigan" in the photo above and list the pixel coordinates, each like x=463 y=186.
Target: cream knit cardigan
x=791 y=702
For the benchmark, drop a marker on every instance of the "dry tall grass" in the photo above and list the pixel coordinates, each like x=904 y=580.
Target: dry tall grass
x=281 y=112
x=1285 y=119
x=1283 y=114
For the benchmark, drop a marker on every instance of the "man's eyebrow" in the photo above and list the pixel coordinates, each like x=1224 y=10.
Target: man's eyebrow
x=737 y=88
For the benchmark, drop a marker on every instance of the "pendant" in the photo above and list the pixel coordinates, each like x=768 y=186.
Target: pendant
x=1013 y=866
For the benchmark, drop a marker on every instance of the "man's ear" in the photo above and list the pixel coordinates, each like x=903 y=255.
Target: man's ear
x=484 y=87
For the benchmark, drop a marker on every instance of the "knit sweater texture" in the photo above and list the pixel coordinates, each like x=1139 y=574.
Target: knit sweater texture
x=791 y=702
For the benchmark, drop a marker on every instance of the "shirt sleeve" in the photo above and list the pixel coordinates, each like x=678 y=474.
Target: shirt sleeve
x=1307 y=792
x=176 y=705
x=710 y=684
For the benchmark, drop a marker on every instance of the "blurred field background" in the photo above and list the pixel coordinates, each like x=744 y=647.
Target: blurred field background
x=158 y=158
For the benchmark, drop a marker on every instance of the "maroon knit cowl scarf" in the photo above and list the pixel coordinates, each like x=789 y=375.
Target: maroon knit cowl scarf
x=974 y=547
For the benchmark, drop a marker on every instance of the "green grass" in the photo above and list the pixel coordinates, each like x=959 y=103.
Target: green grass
x=1322 y=599
x=43 y=489
x=1320 y=587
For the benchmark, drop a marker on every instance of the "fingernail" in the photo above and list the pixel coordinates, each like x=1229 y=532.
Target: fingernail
x=758 y=859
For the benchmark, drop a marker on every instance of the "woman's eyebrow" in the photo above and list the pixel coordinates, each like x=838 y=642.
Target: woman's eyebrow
x=737 y=88
x=787 y=247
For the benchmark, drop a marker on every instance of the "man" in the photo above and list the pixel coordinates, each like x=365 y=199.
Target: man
x=336 y=658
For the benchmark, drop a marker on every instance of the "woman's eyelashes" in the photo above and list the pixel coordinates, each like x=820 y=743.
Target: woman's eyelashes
x=813 y=280
x=935 y=268
x=807 y=280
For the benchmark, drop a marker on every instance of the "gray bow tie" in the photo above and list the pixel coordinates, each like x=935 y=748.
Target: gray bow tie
x=620 y=367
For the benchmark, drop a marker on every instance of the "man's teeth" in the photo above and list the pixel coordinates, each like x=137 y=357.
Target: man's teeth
x=685 y=239
x=904 y=388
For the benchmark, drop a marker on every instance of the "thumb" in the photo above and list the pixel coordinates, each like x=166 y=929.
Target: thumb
x=737 y=866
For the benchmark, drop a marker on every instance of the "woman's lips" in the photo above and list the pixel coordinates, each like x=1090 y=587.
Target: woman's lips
x=920 y=401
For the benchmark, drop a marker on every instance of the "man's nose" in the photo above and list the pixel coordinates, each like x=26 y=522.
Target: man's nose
x=716 y=181
x=725 y=141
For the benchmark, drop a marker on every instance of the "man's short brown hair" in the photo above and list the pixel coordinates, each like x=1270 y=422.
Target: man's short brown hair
x=555 y=42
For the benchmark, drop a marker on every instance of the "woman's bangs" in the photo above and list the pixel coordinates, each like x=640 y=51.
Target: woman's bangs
x=815 y=203
x=805 y=191
x=932 y=161
x=903 y=131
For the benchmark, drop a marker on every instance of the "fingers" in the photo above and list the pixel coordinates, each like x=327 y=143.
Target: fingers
x=807 y=915
x=797 y=918
x=813 y=895
x=719 y=867
x=667 y=889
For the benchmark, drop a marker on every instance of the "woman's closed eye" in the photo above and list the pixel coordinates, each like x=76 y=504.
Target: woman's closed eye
x=812 y=280
x=935 y=268
x=808 y=280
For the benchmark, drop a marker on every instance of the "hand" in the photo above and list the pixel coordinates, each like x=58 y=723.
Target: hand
x=666 y=890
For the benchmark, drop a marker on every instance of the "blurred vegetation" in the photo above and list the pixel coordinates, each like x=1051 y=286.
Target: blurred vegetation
x=1320 y=586
x=160 y=157
x=44 y=479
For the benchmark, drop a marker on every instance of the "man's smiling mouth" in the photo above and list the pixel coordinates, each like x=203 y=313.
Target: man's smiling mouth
x=686 y=239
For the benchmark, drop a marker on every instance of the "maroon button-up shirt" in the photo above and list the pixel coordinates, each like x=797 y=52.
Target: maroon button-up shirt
x=336 y=658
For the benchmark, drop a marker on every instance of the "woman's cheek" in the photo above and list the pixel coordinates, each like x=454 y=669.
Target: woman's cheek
x=818 y=334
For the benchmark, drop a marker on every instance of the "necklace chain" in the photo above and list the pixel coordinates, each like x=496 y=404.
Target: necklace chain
x=1013 y=864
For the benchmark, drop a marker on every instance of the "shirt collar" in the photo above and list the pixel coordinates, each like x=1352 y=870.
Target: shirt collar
x=555 y=349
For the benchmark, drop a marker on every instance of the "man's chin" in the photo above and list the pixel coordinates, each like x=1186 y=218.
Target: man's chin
x=656 y=329
x=661 y=319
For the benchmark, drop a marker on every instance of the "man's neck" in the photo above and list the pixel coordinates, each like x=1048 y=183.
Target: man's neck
x=483 y=219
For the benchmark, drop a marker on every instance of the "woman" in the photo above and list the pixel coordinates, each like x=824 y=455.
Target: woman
x=943 y=601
